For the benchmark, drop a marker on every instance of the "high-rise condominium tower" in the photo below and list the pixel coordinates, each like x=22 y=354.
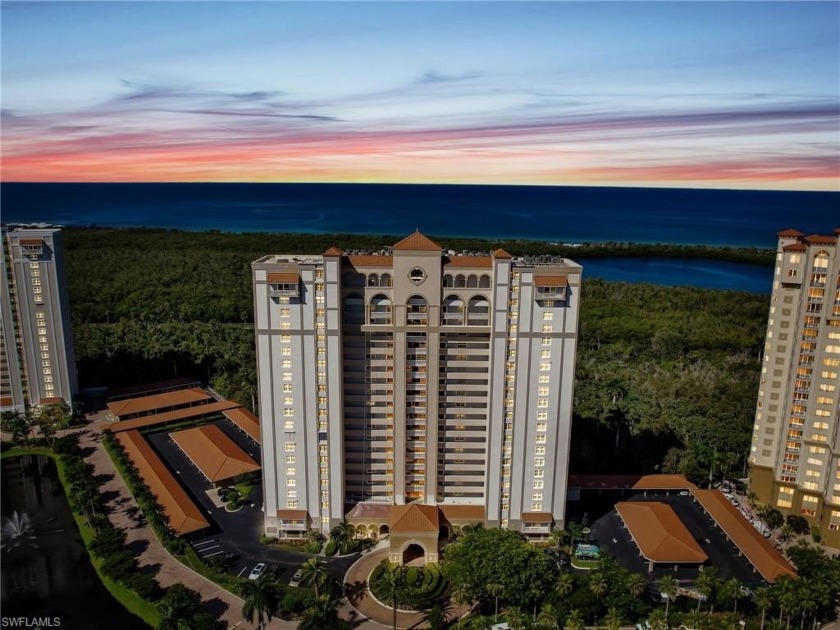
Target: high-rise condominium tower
x=795 y=455
x=414 y=375
x=37 y=362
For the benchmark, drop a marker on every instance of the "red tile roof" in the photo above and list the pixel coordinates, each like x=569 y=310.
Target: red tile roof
x=370 y=510
x=51 y=400
x=790 y=233
x=31 y=242
x=537 y=517
x=479 y=262
x=154 y=402
x=500 y=253
x=369 y=260
x=463 y=512
x=414 y=519
x=290 y=277
x=627 y=482
x=183 y=515
x=795 y=247
x=292 y=515
x=659 y=533
x=218 y=457
x=246 y=421
x=333 y=251
x=152 y=388
x=196 y=411
x=764 y=557
x=417 y=242
x=819 y=239
x=551 y=281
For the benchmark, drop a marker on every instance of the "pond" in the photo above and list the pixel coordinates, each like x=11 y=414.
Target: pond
x=47 y=576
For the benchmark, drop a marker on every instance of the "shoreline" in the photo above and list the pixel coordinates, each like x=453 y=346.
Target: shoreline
x=309 y=242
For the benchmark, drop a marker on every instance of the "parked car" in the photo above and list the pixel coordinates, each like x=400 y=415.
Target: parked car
x=257 y=571
x=296 y=578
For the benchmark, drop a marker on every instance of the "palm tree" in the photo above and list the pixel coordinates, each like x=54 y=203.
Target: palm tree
x=657 y=620
x=731 y=591
x=516 y=618
x=390 y=579
x=495 y=589
x=693 y=620
x=314 y=571
x=558 y=536
x=598 y=584
x=261 y=600
x=788 y=597
x=706 y=583
x=549 y=617
x=575 y=532
x=565 y=585
x=460 y=596
x=343 y=534
x=575 y=620
x=668 y=587
x=435 y=617
x=613 y=619
x=636 y=584
x=763 y=599
x=322 y=613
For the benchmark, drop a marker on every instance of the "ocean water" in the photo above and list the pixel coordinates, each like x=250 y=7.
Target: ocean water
x=564 y=214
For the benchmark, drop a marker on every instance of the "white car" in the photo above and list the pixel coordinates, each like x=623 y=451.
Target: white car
x=296 y=578
x=257 y=571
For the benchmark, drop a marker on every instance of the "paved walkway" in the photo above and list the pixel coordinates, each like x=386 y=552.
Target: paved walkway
x=124 y=513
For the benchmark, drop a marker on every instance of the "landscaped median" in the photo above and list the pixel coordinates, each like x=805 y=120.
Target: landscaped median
x=72 y=472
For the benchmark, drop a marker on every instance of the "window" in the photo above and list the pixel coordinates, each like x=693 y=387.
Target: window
x=285 y=338
x=541 y=426
x=285 y=325
x=548 y=316
x=539 y=473
x=545 y=366
x=538 y=484
x=47 y=370
x=547 y=328
x=48 y=379
x=536 y=496
x=546 y=341
x=42 y=331
x=539 y=461
x=539 y=450
x=544 y=378
x=288 y=400
x=285 y=312
x=287 y=376
x=542 y=403
x=287 y=388
x=290 y=459
x=291 y=494
x=286 y=363
x=291 y=482
x=536 y=507
x=290 y=470
x=286 y=351
x=289 y=447
x=288 y=412
x=541 y=438
x=45 y=363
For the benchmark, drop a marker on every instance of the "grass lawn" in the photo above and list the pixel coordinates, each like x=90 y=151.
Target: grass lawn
x=128 y=598
x=584 y=564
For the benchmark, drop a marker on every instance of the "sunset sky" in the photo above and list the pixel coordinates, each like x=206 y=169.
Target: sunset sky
x=695 y=94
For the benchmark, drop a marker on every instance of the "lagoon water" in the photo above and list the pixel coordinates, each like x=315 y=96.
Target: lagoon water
x=50 y=575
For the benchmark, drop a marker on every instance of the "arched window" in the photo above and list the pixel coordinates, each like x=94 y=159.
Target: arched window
x=453 y=311
x=472 y=281
x=821 y=260
x=417 y=311
x=448 y=281
x=385 y=280
x=478 y=311
x=354 y=309
x=379 y=311
x=460 y=282
x=373 y=280
x=484 y=282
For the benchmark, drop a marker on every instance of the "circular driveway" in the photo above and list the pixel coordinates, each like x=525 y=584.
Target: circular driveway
x=359 y=596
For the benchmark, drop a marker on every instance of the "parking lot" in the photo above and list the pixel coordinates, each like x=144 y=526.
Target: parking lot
x=233 y=537
x=610 y=534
